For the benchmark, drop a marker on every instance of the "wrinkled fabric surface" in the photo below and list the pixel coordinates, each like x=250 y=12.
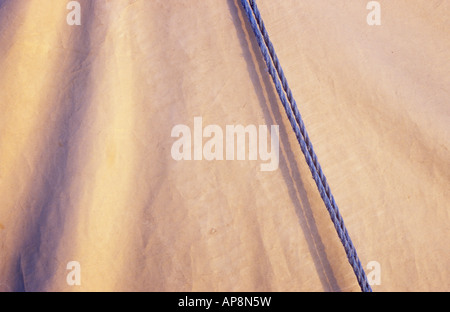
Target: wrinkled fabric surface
x=87 y=175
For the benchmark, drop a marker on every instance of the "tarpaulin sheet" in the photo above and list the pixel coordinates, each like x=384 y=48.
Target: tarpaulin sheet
x=87 y=172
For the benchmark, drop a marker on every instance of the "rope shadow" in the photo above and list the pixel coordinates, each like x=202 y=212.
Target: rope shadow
x=288 y=164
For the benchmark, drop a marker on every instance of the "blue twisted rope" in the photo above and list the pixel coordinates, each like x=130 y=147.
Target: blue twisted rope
x=293 y=114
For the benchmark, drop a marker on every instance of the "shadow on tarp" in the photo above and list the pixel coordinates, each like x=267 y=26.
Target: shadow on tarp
x=48 y=214
x=263 y=84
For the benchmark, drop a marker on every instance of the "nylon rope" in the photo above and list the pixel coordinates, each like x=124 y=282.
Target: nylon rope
x=290 y=106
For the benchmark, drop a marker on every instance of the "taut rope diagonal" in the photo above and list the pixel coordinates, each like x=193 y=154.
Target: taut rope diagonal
x=281 y=85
